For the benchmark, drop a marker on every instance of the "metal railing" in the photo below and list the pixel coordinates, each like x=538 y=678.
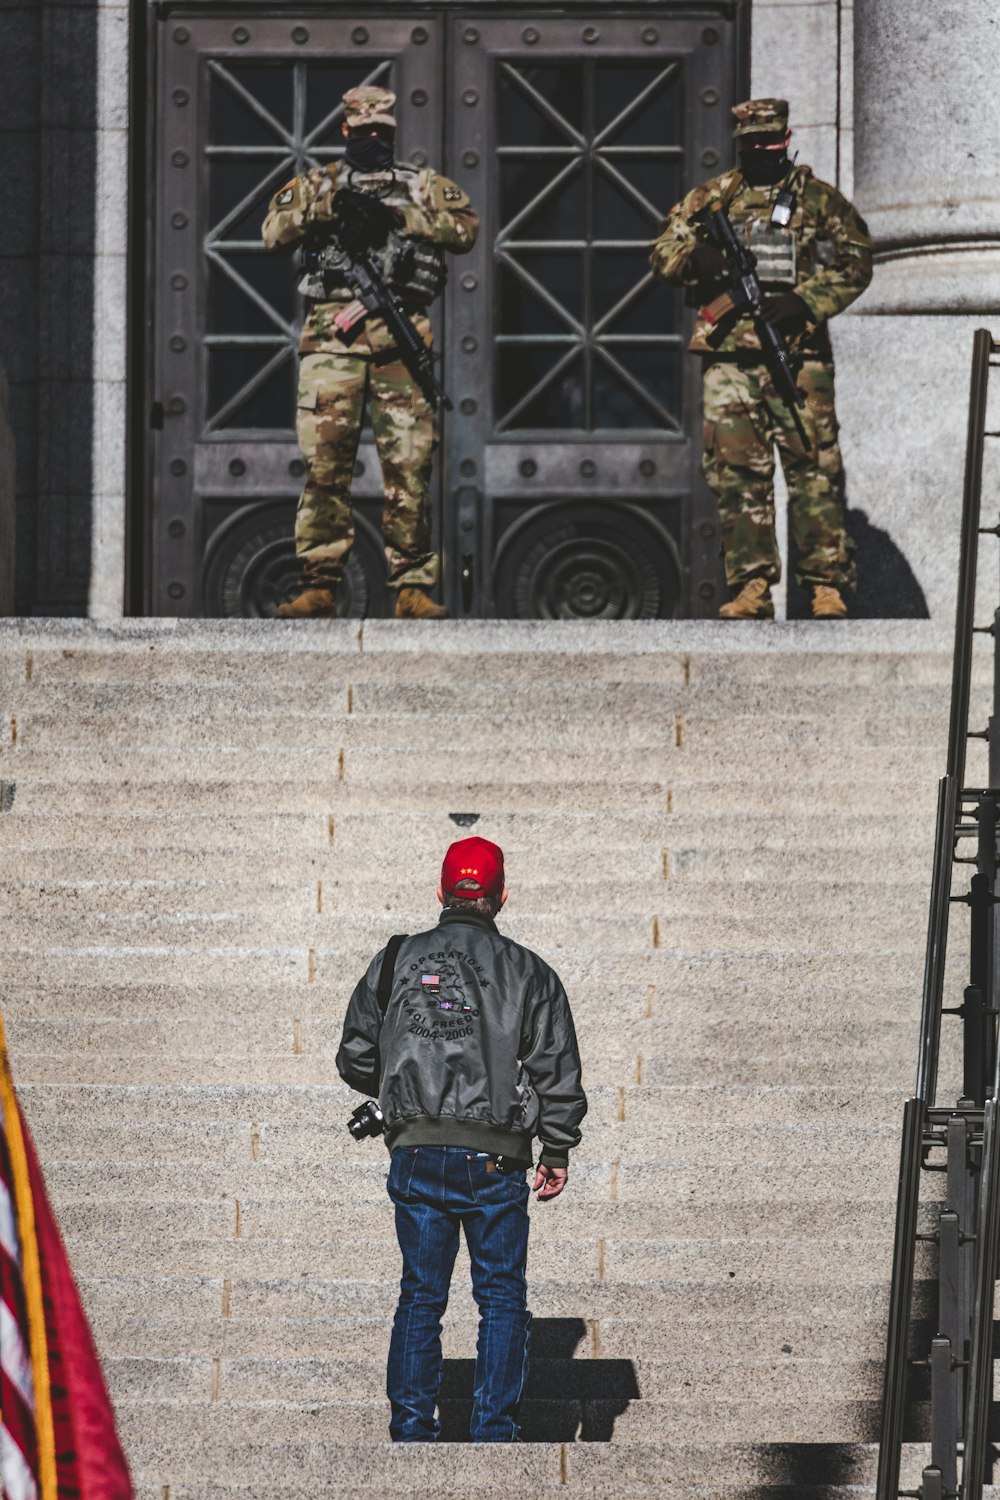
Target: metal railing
x=959 y=1356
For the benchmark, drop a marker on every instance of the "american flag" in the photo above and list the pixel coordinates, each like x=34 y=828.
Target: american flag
x=57 y=1428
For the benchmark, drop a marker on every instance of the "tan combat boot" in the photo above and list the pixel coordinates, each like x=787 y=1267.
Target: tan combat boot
x=753 y=602
x=828 y=603
x=417 y=604
x=311 y=604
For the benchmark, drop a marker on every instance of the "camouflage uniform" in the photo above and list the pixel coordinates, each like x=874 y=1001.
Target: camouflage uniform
x=825 y=257
x=337 y=363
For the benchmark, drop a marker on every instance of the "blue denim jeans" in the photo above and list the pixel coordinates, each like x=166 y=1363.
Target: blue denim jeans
x=435 y=1189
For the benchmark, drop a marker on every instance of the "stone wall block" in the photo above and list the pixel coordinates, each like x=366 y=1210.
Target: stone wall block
x=795 y=58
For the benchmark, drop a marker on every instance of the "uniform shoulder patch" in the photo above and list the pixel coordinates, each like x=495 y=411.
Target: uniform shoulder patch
x=286 y=195
x=448 y=194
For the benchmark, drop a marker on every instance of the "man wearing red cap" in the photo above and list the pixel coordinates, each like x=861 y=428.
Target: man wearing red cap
x=472 y=1053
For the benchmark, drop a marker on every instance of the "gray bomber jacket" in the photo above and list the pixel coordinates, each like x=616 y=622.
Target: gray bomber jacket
x=477 y=1047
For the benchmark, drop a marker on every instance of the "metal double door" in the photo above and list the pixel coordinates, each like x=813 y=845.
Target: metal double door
x=565 y=484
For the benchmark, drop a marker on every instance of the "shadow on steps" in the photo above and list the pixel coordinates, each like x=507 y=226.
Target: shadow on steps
x=566 y=1400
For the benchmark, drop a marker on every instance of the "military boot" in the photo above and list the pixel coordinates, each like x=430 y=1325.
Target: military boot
x=312 y=604
x=417 y=604
x=753 y=602
x=828 y=603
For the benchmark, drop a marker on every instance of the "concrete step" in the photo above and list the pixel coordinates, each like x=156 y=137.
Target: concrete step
x=557 y=1304
x=645 y=1105
x=918 y=765
x=347 y=694
x=187 y=1005
x=319 y=1223
x=716 y=1037
x=680 y=917
x=673 y=1179
x=235 y=1142
x=518 y=1470
x=366 y=1337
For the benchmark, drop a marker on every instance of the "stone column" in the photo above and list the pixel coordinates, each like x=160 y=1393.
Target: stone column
x=927 y=179
x=927 y=164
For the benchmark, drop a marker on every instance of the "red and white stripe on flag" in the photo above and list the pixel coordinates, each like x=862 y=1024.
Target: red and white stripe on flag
x=57 y=1428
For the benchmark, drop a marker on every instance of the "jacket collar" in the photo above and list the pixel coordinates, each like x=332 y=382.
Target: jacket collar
x=474 y=918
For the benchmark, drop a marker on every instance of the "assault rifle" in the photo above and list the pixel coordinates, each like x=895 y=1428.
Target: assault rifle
x=745 y=294
x=372 y=293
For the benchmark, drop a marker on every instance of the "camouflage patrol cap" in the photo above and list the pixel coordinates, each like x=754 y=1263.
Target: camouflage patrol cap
x=755 y=115
x=369 y=106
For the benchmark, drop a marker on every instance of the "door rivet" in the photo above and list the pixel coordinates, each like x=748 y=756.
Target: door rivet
x=470 y=36
x=529 y=35
x=418 y=36
x=300 y=35
x=469 y=283
x=709 y=96
x=467 y=468
x=178 y=467
x=176 y=590
x=178 y=343
x=241 y=36
x=237 y=467
x=359 y=36
x=470 y=159
x=176 y=530
x=588 y=468
x=650 y=36
x=527 y=468
x=591 y=35
x=467 y=407
x=469 y=344
x=647 y=467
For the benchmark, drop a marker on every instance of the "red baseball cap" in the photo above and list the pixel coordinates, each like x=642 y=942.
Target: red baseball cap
x=475 y=860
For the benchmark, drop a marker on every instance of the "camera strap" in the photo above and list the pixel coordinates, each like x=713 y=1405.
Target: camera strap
x=387 y=973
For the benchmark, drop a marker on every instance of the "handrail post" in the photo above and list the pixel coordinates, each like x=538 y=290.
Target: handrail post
x=896 y=1364
x=937 y=940
x=981 y=1350
x=982 y=345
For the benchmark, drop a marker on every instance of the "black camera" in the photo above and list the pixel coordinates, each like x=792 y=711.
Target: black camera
x=366 y=1120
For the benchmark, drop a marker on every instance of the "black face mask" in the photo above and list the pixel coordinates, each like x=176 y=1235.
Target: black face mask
x=762 y=168
x=369 y=153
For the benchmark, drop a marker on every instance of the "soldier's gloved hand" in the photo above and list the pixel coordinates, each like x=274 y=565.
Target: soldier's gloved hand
x=786 y=312
x=706 y=262
x=364 y=222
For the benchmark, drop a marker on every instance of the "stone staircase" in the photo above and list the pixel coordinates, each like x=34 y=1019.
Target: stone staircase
x=721 y=838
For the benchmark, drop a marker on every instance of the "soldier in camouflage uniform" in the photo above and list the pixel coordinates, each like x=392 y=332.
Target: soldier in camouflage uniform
x=411 y=216
x=812 y=269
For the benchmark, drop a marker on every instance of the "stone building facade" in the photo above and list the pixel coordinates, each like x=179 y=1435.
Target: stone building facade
x=590 y=504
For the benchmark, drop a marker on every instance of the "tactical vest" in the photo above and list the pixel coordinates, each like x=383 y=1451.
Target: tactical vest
x=414 y=268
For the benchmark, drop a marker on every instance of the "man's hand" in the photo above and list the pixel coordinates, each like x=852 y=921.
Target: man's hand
x=551 y=1181
x=786 y=312
x=706 y=263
